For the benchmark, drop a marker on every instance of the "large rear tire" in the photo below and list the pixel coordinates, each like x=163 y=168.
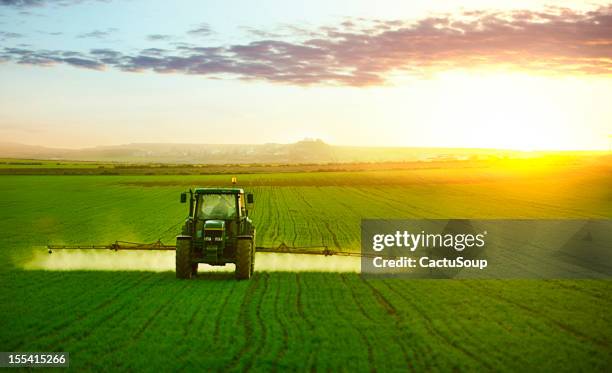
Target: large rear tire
x=183 y=259
x=252 y=261
x=253 y=253
x=244 y=258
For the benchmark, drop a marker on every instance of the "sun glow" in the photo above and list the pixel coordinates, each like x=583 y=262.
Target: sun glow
x=511 y=111
x=503 y=110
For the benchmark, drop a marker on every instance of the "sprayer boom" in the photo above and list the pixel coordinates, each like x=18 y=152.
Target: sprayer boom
x=158 y=245
x=117 y=245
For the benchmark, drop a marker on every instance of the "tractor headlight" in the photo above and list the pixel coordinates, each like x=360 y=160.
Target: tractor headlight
x=207 y=238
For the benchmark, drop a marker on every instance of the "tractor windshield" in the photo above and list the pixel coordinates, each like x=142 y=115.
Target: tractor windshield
x=217 y=206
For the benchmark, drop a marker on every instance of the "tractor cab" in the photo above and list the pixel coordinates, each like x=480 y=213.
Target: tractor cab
x=219 y=206
x=217 y=228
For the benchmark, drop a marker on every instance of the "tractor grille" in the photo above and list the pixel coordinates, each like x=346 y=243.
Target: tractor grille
x=213 y=235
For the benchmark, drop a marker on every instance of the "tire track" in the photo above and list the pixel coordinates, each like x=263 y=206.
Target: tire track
x=563 y=284
x=299 y=305
x=292 y=218
x=566 y=328
x=334 y=238
x=262 y=325
x=158 y=311
x=355 y=298
x=312 y=358
x=392 y=312
x=84 y=297
x=248 y=327
x=119 y=295
x=277 y=312
x=362 y=335
x=473 y=339
x=217 y=328
x=143 y=328
x=433 y=330
x=304 y=200
x=275 y=222
x=199 y=326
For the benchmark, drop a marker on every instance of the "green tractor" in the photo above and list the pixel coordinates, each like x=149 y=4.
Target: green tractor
x=217 y=231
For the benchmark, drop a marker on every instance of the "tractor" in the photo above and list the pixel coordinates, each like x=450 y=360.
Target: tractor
x=217 y=231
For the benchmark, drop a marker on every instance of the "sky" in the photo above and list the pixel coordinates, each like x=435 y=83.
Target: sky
x=527 y=75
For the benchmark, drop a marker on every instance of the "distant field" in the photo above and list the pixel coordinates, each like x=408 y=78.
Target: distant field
x=302 y=320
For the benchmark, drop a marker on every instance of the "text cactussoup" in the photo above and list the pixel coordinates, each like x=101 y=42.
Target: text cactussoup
x=426 y=262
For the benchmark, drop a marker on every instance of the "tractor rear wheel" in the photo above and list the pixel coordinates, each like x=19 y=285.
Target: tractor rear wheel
x=253 y=253
x=244 y=258
x=252 y=261
x=183 y=259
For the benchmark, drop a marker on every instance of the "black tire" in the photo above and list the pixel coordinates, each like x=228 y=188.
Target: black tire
x=183 y=259
x=252 y=261
x=244 y=258
x=253 y=254
x=194 y=269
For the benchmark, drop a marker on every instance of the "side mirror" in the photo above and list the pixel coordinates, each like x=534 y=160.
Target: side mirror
x=250 y=198
x=183 y=197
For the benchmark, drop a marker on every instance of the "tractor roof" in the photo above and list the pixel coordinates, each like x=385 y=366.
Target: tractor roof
x=218 y=190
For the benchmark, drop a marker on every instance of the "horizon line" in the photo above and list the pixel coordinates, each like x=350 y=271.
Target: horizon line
x=535 y=150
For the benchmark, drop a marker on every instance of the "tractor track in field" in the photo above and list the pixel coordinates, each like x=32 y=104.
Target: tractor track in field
x=434 y=331
x=195 y=312
x=312 y=357
x=293 y=224
x=158 y=311
x=359 y=331
x=277 y=312
x=260 y=321
x=392 y=312
x=118 y=295
x=248 y=324
x=82 y=299
x=276 y=225
x=199 y=326
x=142 y=329
x=217 y=328
x=354 y=296
x=571 y=287
x=394 y=203
x=299 y=304
x=114 y=314
x=469 y=337
x=546 y=206
x=334 y=238
x=566 y=328
x=304 y=200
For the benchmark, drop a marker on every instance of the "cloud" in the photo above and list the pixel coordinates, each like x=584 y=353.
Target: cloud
x=97 y=34
x=22 y=3
x=40 y=3
x=201 y=30
x=51 y=33
x=159 y=37
x=10 y=35
x=361 y=52
x=50 y=58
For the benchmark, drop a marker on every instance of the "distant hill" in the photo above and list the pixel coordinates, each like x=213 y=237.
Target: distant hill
x=306 y=151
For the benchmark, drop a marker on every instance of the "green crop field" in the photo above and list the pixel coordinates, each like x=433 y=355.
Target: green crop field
x=144 y=319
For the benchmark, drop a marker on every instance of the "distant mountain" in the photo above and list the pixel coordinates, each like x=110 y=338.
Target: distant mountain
x=306 y=151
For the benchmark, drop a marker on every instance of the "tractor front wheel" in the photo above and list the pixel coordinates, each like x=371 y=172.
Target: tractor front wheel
x=244 y=258
x=183 y=258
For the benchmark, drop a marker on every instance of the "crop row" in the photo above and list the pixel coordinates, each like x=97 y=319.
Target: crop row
x=306 y=320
